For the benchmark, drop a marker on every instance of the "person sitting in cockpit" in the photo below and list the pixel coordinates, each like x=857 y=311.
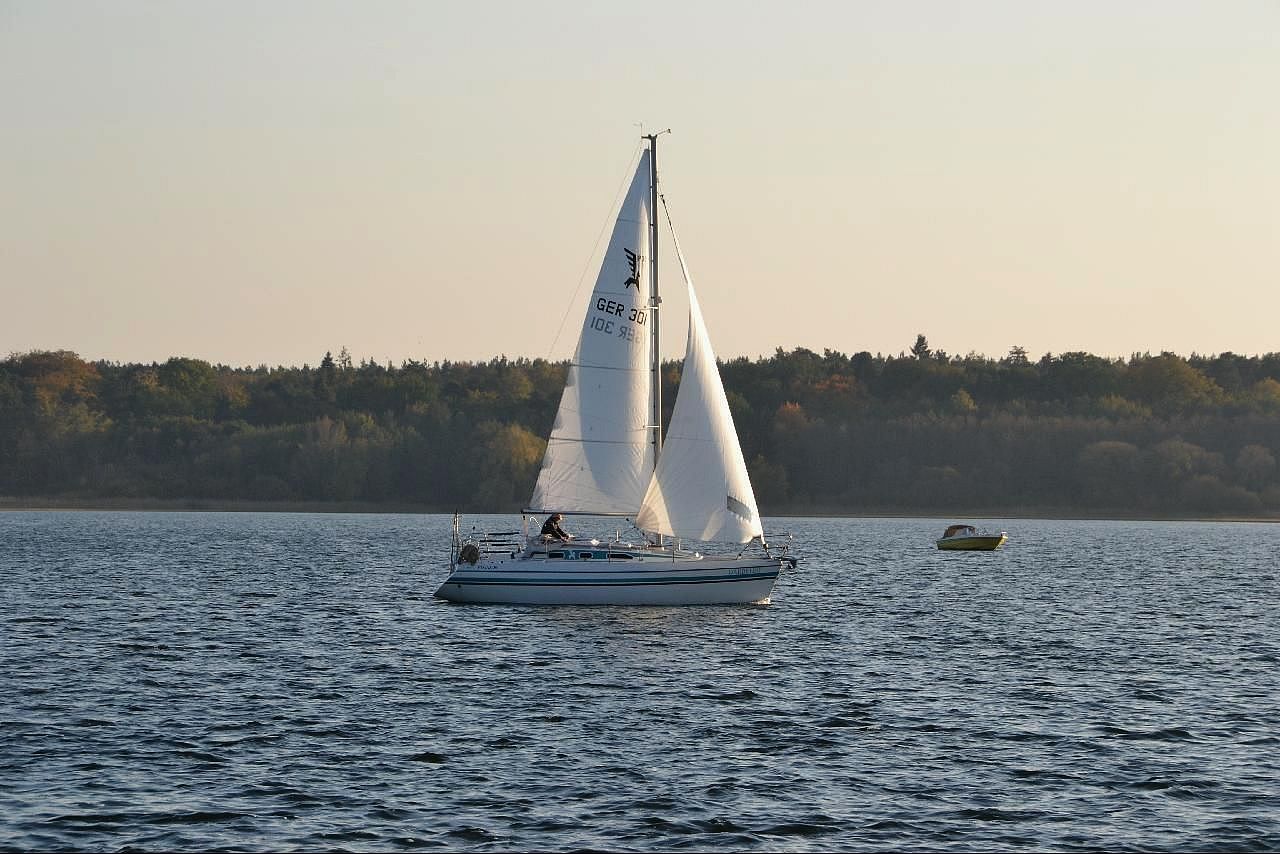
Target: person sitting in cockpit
x=551 y=529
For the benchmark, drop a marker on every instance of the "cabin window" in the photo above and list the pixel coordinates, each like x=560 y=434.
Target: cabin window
x=620 y=556
x=555 y=554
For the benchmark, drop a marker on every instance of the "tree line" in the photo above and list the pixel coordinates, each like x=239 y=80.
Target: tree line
x=919 y=432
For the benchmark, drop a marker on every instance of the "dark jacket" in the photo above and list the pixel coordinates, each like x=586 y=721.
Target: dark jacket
x=551 y=528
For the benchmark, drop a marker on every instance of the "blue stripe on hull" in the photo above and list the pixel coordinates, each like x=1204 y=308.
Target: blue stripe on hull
x=631 y=588
x=609 y=583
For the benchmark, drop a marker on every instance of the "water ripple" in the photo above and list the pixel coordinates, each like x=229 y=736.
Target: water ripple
x=238 y=682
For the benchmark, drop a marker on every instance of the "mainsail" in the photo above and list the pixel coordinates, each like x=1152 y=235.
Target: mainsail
x=700 y=489
x=600 y=453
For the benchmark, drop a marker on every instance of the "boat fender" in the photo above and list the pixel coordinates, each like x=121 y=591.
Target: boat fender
x=470 y=553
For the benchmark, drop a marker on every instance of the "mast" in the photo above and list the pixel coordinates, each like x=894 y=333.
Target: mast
x=655 y=301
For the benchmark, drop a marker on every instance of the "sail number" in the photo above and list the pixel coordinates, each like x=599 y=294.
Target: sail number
x=609 y=326
x=617 y=309
x=622 y=330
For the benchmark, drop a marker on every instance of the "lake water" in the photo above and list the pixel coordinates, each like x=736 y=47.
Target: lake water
x=202 y=681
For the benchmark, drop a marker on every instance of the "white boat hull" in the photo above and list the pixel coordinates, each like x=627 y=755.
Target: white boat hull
x=657 y=581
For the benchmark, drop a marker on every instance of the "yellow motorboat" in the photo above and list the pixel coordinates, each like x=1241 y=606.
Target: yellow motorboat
x=966 y=538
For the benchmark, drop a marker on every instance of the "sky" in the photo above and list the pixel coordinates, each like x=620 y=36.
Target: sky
x=259 y=183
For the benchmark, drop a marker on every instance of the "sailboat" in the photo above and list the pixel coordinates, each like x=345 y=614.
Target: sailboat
x=607 y=456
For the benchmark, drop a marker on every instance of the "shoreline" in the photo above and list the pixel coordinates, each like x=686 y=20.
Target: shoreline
x=211 y=505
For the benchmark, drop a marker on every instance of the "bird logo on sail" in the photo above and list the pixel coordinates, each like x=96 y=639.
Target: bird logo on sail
x=634 y=278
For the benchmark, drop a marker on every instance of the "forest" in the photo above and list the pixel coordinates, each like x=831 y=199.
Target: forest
x=922 y=432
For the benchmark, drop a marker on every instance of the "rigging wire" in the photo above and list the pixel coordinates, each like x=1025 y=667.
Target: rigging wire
x=609 y=217
x=675 y=241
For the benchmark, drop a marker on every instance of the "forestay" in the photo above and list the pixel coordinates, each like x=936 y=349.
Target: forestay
x=600 y=454
x=700 y=489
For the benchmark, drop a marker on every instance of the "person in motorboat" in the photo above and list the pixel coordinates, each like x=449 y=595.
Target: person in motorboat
x=552 y=531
